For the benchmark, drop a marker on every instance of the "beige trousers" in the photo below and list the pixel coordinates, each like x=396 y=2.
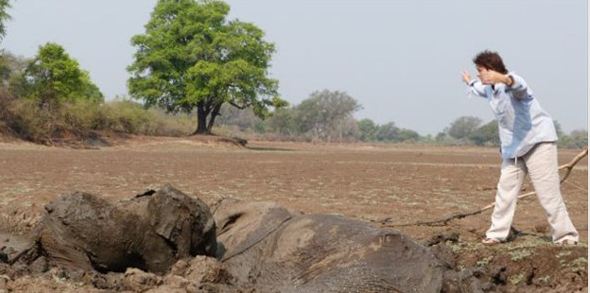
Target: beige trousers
x=541 y=165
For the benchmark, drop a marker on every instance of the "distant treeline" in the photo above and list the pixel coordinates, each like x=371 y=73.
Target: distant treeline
x=328 y=116
x=49 y=98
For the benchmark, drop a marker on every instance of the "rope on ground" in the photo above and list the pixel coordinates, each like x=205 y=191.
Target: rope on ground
x=444 y=221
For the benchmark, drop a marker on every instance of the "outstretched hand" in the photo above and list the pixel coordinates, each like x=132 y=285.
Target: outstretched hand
x=466 y=77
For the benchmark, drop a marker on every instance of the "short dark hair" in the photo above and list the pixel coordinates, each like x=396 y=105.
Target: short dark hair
x=490 y=60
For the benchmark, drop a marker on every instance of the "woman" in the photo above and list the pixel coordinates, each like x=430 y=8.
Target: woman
x=528 y=146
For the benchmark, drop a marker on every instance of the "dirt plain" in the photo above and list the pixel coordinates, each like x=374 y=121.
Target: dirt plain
x=406 y=183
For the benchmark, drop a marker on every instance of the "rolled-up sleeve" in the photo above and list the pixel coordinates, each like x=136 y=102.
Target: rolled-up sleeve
x=477 y=88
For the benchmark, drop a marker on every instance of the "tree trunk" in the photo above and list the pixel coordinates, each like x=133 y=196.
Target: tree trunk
x=202 y=121
x=213 y=115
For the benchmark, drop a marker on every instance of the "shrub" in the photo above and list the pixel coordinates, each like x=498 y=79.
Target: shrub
x=83 y=119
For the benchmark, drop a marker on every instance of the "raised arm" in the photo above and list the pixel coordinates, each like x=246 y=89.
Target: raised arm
x=475 y=86
x=515 y=84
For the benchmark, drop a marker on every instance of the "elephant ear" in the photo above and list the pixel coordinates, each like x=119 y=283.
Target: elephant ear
x=243 y=224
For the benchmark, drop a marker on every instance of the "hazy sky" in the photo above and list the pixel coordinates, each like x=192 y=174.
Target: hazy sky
x=400 y=59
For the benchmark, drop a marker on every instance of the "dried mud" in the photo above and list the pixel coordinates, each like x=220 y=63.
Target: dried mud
x=360 y=182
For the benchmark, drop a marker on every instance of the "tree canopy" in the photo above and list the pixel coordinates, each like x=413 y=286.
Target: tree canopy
x=191 y=56
x=367 y=129
x=53 y=76
x=324 y=113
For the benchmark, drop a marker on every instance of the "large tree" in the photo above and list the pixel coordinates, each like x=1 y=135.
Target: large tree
x=324 y=112
x=191 y=56
x=53 y=77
